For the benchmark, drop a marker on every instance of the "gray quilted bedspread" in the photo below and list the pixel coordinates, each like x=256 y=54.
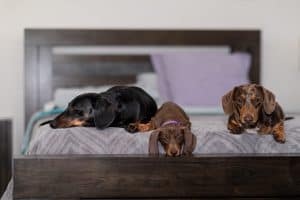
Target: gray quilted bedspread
x=211 y=132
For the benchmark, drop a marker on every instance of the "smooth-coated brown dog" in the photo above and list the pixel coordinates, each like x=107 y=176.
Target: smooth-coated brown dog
x=251 y=106
x=172 y=128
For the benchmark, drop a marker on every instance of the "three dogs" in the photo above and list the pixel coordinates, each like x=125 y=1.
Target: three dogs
x=131 y=108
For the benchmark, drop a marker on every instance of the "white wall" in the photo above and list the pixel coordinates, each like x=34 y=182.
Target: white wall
x=279 y=21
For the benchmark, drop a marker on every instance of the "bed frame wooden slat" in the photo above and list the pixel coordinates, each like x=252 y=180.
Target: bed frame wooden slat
x=67 y=70
x=45 y=74
x=104 y=65
x=129 y=176
x=77 y=37
x=83 y=59
x=67 y=81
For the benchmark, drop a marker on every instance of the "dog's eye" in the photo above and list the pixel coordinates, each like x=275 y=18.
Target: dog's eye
x=164 y=140
x=179 y=137
x=239 y=101
x=79 y=112
x=257 y=101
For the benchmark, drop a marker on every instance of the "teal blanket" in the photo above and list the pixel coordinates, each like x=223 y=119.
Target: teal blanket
x=35 y=117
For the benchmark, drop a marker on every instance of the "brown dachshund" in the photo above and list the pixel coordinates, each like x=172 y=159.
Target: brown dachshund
x=172 y=128
x=251 y=106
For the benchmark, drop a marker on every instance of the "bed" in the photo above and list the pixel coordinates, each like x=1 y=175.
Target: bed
x=64 y=167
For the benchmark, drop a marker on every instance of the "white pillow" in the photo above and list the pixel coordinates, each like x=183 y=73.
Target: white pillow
x=149 y=82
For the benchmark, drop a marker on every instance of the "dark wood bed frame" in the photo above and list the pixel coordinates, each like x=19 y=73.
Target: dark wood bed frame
x=139 y=176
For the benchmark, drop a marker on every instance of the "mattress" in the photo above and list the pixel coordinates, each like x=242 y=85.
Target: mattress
x=211 y=132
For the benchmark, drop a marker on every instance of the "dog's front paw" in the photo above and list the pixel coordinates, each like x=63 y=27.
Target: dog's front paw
x=279 y=139
x=235 y=129
x=132 y=128
x=264 y=130
x=278 y=132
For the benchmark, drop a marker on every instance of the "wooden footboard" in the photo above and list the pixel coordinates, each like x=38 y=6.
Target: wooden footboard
x=75 y=177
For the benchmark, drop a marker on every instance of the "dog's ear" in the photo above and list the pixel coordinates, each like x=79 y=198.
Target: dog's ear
x=153 y=142
x=227 y=101
x=104 y=113
x=190 y=141
x=269 y=103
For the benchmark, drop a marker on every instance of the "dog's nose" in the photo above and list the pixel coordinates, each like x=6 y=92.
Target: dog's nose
x=248 y=118
x=53 y=124
x=174 y=152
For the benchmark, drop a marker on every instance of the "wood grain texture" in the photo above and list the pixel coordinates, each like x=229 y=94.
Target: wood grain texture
x=60 y=81
x=31 y=72
x=95 y=70
x=136 y=37
x=157 y=177
x=42 y=68
x=5 y=154
x=100 y=65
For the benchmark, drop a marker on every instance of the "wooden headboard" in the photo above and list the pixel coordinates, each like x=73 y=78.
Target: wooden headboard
x=45 y=71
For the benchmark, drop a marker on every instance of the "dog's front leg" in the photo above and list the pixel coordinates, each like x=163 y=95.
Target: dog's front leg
x=264 y=129
x=234 y=126
x=139 y=127
x=278 y=132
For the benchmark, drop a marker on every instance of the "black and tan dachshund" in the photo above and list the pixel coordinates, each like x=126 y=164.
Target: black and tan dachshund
x=251 y=106
x=117 y=107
